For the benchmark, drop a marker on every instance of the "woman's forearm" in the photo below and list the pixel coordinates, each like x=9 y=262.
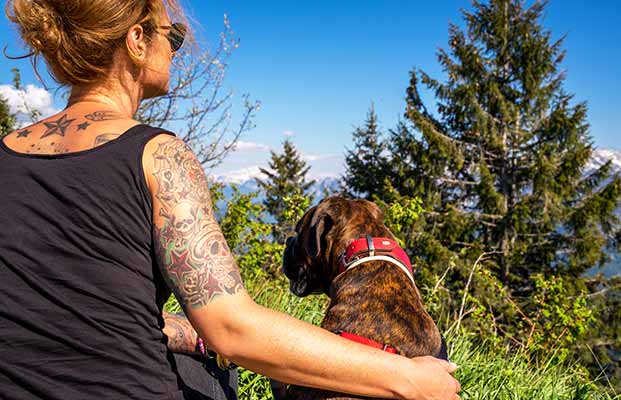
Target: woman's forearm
x=181 y=335
x=295 y=352
x=292 y=351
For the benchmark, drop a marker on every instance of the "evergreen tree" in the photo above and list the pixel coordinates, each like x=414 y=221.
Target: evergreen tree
x=285 y=178
x=366 y=162
x=6 y=119
x=500 y=167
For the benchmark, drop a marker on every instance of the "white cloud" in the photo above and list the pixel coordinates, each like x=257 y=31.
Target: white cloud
x=242 y=146
x=318 y=157
x=22 y=101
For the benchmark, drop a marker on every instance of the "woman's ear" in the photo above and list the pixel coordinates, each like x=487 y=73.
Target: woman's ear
x=136 y=44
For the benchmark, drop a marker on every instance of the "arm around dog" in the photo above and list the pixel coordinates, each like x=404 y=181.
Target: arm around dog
x=200 y=269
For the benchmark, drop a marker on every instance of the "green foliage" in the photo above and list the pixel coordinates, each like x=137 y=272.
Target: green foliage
x=561 y=317
x=17 y=78
x=6 y=119
x=400 y=214
x=285 y=179
x=248 y=235
x=295 y=207
x=602 y=349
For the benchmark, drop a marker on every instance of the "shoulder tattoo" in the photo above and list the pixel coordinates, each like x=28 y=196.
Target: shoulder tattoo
x=191 y=249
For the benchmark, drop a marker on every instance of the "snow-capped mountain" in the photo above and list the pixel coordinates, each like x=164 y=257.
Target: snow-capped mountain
x=240 y=177
x=321 y=187
x=601 y=156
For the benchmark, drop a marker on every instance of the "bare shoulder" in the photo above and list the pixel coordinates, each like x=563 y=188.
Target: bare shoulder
x=69 y=131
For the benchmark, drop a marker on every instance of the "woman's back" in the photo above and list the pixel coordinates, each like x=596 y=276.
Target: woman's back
x=80 y=288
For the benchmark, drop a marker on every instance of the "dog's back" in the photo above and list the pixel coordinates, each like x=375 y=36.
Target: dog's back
x=375 y=300
x=378 y=301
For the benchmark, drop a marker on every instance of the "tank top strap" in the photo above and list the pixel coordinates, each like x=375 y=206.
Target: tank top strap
x=131 y=152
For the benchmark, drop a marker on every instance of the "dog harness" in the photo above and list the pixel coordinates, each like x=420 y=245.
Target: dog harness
x=369 y=248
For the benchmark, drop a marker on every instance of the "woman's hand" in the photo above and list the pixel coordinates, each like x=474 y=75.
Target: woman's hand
x=431 y=379
x=182 y=337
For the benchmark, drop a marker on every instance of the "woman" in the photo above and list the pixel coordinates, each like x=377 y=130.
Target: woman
x=101 y=215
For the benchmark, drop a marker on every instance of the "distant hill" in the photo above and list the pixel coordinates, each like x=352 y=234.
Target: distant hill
x=245 y=181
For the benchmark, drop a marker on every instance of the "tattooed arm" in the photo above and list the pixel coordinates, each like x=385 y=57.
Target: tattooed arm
x=199 y=268
x=181 y=335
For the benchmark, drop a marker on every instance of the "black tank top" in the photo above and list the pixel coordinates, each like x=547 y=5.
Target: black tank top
x=80 y=292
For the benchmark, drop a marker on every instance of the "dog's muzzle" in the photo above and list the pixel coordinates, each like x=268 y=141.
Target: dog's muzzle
x=296 y=271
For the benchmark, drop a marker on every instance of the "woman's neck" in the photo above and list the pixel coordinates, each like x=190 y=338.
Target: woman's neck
x=120 y=100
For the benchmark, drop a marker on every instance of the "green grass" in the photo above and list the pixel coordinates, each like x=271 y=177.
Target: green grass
x=484 y=372
x=493 y=374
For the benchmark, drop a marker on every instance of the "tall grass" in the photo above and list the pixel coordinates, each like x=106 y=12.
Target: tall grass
x=492 y=374
x=484 y=372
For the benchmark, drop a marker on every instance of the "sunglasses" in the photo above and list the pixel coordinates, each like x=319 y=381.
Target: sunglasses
x=176 y=35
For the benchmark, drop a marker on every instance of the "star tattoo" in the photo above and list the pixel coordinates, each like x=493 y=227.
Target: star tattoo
x=24 y=133
x=57 y=127
x=83 y=126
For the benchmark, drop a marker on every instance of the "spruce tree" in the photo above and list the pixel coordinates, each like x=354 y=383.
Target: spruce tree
x=366 y=163
x=500 y=167
x=285 y=178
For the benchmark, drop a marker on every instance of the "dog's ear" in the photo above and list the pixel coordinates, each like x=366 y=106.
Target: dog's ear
x=319 y=227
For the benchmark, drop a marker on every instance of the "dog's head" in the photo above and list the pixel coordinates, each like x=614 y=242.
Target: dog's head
x=311 y=258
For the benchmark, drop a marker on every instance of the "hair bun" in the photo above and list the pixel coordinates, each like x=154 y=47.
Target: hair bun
x=79 y=39
x=41 y=25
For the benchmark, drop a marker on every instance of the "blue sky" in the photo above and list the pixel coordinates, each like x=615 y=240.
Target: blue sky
x=317 y=66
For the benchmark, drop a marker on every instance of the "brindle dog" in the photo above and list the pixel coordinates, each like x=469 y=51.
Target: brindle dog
x=375 y=300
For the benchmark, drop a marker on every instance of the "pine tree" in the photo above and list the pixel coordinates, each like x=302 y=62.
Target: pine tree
x=285 y=178
x=366 y=162
x=500 y=168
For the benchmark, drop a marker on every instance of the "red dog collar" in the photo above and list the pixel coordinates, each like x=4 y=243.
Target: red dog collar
x=367 y=341
x=372 y=246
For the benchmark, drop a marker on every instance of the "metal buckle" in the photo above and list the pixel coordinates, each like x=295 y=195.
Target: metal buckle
x=370 y=245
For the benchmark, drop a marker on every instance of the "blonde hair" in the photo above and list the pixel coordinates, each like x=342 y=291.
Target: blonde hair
x=77 y=38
